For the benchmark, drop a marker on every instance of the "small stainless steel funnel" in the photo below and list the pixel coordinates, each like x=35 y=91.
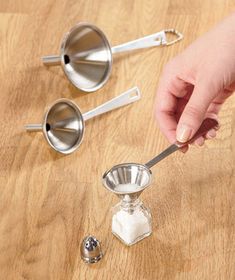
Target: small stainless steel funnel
x=86 y=54
x=136 y=176
x=63 y=126
x=63 y=123
x=128 y=180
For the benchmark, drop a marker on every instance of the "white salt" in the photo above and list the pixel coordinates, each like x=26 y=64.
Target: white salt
x=130 y=226
x=127 y=188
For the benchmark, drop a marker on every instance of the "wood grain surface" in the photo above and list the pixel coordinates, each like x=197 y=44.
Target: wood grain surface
x=50 y=202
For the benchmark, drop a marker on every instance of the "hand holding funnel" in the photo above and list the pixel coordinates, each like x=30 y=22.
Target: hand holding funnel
x=128 y=181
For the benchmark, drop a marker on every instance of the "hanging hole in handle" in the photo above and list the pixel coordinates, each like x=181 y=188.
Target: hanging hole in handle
x=172 y=36
x=135 y=93
x=158 y=39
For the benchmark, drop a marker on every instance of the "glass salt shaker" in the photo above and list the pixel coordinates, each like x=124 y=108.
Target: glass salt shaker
x=131 y=219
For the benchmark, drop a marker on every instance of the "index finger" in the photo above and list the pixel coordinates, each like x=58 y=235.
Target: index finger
x=170 y=89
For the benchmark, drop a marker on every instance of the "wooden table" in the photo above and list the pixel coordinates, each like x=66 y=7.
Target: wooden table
x=50 y=202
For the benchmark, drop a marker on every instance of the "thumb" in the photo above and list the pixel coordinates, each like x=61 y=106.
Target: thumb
x=194 y=112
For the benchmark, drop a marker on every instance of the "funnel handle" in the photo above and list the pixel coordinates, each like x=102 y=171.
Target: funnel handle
x=206 y=125
x=153 y=40
x=123 y=99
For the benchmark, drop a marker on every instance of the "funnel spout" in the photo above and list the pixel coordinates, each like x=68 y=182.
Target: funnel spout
x=51 y=60
x=130 y=197
x=33 y=127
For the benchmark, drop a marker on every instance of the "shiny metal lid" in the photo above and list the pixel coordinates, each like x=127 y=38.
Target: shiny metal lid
x=91 y=250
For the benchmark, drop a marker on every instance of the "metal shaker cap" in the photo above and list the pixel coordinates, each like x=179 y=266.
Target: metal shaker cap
x=91 y=249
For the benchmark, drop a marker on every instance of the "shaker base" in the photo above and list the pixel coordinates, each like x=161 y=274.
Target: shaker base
x=135 y=241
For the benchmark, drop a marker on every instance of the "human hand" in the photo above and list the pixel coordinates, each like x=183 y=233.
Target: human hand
x=195 y=84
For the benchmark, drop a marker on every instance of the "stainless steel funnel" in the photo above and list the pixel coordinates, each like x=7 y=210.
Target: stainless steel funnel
x=63 y=123
x=128 y=180
x=86 y=54
x=136 y=176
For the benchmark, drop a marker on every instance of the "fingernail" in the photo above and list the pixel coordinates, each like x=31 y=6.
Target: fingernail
x=211 y=133
x=183 y=133
x=184 y=149
x=200 y=141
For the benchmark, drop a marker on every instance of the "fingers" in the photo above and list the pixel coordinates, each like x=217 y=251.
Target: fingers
x=184 y=149
x=167 y=124
x=199 y=141
x=211 y=134
x=217 y=103
x=181 y=107
x=166 y=105
x=164 y=110
x=194 y=112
